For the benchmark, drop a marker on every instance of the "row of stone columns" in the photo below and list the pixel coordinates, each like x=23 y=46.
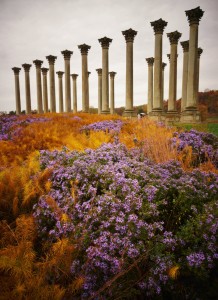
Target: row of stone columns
x=191 y=65
x=155 y=75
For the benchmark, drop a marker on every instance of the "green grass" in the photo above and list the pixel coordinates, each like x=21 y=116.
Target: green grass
x=204 y=127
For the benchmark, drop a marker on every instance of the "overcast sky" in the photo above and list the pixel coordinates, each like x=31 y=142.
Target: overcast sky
x=31 y=29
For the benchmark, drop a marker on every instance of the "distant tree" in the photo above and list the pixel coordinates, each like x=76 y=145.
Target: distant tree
x=12 y=112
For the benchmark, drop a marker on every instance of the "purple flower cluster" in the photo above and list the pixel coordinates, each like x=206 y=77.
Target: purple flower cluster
x=108 y=125
x=204 y=145
x=11 y=126
x=120 y=207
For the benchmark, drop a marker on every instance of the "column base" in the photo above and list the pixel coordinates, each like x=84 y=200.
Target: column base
x=157 y=114
x=105 y=112
x=129 y=113
x=190 y=115
x=172 y=116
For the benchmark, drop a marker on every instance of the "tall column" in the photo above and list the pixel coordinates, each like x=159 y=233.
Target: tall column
x=74 y=77
x=158 y=27
x=194 y=16
x=150 y=61
x=38 y=64
x=88 y=87
x=17 y=89
x=60 y=89
x=51 y=60
x=162 y=87
x=84 y=49
x=105 y=42
x=67 y=54
x=129 y=37
x=27 y=87
x=112 y=75
x=99 y=71
x=174 y=38
x=45 y=89
x=200 y=51
x=185 y=46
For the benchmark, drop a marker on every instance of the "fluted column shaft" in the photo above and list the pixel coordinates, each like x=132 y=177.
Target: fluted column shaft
x=67 y=54
x=74 y=77
x=129 y=37
x=174 y=38
x=105 y=42
x=159 y=26
x=162 y=87
x=27 y=87
x=45 y=89
x=194 y=17
x=150 y=62
x=200 y=51
x=84 y=52
x=60 y=89
x=112 y=75
x=38 y=64
x=51 y=60
x=99 y=90
x=17 y=90
x=88 y=89
x=185 y=46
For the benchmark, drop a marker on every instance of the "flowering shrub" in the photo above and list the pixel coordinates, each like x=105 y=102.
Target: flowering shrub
x=107 y=125
x=204 y=145
x=131 y=220
x=11 y=126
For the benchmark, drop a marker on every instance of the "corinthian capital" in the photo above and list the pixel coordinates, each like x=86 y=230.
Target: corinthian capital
x=74 y=76
x=44 y=71
x=84 y=49
x=67 y=54
x=174 y=37
x=185 y=46
x=105 y=42
x=51 y=59
x=26 y=67
x=38 y=63
x=150 y=61
x=60 y=74
x=99 y=71
x=16 y=70
x=200 y=51
x=194 y=15
x=129 y=34
x=158 y=26
x=112 y=74
x=163 y=65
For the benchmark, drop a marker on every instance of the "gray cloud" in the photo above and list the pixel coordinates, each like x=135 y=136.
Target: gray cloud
x=33 y=29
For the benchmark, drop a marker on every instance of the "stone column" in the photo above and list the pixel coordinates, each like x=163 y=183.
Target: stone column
x=67 y=54
x=17 y=89
x=99 y=71
x=27 y=87
x=174 y=38
x=200 y=51
x=84 y=49
x=150 y=61
x=158 y=27
x=88 y=87
x=51 y=60
x=45 y=89
x=60 y=88
x=162 y=87
x=191 y=114
x=74 y=77
x=185 y=46
x=105 y=42
x=129 y=37
x=112 y=75
x=38 y=64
